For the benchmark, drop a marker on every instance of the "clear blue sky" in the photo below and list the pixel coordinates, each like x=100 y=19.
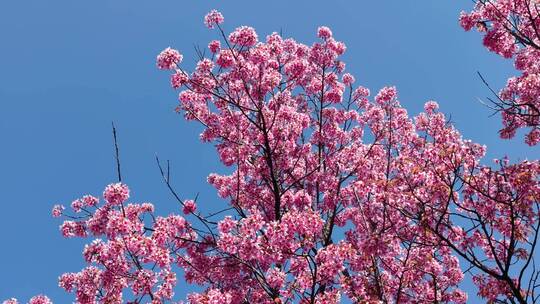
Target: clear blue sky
x=68 y=68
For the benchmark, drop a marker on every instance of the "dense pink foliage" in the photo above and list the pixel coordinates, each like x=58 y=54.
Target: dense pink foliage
x=332 y=195
x=511 y=28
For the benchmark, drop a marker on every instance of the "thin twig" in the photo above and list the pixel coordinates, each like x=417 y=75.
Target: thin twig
x=117 y=154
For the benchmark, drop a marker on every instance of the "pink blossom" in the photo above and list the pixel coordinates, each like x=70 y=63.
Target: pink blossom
x=40 y=299
x=324 y=32
x=468 y=21
x=189 y=206
x=168 y=59
x=214 y=46
x=89 y=200
x=244 y=36
x=386 y=95
x=178 y=79
x=225 y=58
x=431 y=106
x=213 y=18
x=348 y=79
x=533 y=137
x=57 y=210
x=226 y=225
x=116 y=194
x=275 y=278
x=73 y=229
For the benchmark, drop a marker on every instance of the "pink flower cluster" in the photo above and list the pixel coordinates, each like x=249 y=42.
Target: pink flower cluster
x=189 y=207
x=168 y=59
x=116 y=194
x=132 y=250
x=213 y=18
x=511 y=29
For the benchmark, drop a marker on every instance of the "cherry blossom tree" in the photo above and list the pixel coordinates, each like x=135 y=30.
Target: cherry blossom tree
x=331 y=194
x=511 y=28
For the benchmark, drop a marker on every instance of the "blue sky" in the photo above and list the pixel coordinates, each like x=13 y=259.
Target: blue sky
x=68 y=68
